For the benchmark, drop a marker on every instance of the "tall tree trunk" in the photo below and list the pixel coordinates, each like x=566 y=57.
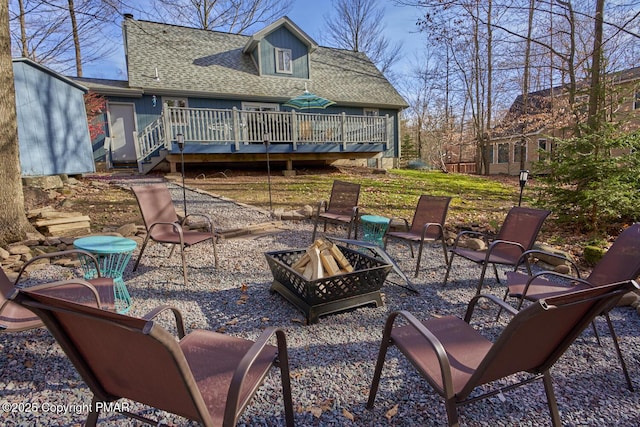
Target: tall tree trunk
x=76 y=38
x=489 y=104
x=13 y=221
x=525 y=82
x=595 y=92
x=23 y=30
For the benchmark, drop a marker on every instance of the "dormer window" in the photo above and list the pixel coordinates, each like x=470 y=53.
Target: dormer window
x=283 y=61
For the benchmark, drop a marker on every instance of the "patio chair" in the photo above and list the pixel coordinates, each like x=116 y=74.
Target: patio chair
x=456 y=359
x=204 y=376
x=517 y=235
x=162 y=224
x=15 y=318
x=342 y=208
x=427 y=225
x=620 y=262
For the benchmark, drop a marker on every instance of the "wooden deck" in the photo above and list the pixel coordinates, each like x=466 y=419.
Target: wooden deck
x=217 y=135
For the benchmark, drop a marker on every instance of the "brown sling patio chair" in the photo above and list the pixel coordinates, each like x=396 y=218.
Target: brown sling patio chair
x=342 y=208
x=456 y=359
x=15 y=318
x=517 y=235
x=620 y=262
x=204 y=376
x=162 y=224
x=427 y=225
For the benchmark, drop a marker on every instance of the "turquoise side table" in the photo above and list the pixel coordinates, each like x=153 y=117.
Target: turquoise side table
x=113 y=255
x=373 y=228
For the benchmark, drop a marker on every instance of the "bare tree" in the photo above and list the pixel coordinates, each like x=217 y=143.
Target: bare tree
x=51 y=32
x=13 y=221
x=233 y=16
x=358 y=25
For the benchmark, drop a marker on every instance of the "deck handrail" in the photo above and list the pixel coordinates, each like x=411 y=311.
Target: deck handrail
x=241 y=127
x=248 y=127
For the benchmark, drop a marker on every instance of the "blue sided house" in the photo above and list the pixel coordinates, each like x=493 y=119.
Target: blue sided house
x=220 y=96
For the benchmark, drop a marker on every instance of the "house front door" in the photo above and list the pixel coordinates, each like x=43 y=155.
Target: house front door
x=122 y=126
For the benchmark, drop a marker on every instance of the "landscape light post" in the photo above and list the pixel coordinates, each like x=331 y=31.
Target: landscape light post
x=266 y=147
x=180 y=141
x=524 y=176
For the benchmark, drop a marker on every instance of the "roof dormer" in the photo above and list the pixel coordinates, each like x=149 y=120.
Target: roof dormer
x=281 y=49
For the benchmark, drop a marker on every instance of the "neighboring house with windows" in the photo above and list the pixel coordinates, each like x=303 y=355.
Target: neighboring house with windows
x=224 y=94
x=519 y=142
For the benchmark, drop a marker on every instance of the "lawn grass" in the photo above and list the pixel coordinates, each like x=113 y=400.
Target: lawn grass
x=476 y=199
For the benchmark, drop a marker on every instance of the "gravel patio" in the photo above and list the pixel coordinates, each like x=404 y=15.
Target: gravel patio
x=331 y=361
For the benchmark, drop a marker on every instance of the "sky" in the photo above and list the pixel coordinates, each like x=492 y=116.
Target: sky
x=309 y=15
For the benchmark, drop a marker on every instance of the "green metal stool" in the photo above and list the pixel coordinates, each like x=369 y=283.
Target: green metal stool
x=113 y=254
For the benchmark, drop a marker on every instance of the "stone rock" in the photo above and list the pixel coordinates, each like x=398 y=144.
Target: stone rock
x=550 y=259
x=35 y=235
x=292 y=215
x=52 y=241
x=628 y=299
x=307 y=210
x=473 y=243
x=18 y=249
x=43 y=182
x=562 y=269
x=4 y=254
x=128 y=230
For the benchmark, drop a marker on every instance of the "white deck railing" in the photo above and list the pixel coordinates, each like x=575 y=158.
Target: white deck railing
x=249 y=127
x=238 y=127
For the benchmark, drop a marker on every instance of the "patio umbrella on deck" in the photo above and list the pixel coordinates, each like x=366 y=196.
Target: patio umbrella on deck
x=307 y=101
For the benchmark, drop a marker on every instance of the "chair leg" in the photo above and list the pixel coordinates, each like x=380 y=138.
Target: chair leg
x=184 y=263
x=551 y=399
x=452 y=412
x=495 y=271
x=283 y=363
x=92 y=418
x=481 y=282
x=315 y=228
x=377 y=373
x=419 y=257
x=144 y=245
x=623 y=365
x=444 y=249
x=446 y=275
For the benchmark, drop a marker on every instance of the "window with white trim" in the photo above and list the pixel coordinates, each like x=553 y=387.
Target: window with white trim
x=520 y=152
x=371 y=112
x=503 y=153
x=284 y=63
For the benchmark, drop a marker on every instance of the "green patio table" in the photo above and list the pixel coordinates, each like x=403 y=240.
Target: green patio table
x=374 y=228
x=113 y=255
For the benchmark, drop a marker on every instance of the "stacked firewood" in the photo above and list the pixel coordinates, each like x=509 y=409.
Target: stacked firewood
x=322 y=259
x=55 y=223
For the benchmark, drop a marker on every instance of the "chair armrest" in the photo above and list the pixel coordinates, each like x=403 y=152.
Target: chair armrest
x=89 y=256
x=176 y=314
x=434 y=343
x=405 y=220
x=526 y=255
x=176 y=226
x=432 y=224
x=502 y=304
x=501 y=242
x=232 y=410
x=483 y=236
x=53 y=285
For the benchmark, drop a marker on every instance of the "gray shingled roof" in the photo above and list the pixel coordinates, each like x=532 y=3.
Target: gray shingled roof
x=206 y=63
